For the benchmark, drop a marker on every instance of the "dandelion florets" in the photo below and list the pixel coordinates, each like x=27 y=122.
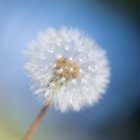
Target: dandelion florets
x=65 y=68
x=68 y=69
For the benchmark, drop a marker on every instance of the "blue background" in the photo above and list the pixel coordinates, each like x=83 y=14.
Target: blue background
x=115 y=27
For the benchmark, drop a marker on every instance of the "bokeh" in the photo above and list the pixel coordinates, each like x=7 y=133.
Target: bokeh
x=115 y=27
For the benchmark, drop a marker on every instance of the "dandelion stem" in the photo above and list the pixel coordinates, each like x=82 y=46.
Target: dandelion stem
x=36 y=122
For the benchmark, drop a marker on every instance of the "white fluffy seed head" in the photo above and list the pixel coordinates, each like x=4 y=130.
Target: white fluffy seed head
x=73 y=92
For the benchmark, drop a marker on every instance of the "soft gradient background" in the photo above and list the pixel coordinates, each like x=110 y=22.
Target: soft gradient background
x=115 y=26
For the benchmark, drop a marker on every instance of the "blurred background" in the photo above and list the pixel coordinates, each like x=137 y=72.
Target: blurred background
x=115 y=24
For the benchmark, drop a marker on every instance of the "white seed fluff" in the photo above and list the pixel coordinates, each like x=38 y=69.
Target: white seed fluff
x=72 y=93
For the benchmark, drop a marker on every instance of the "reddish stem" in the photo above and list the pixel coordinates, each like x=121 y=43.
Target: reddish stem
x=36 y=122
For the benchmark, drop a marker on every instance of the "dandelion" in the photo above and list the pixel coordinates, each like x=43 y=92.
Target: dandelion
x=69 y=71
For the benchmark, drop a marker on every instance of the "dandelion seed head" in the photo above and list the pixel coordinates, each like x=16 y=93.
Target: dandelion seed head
x=68 y=69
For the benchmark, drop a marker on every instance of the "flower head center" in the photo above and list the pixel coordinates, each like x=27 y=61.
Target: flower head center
x=66 y=68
